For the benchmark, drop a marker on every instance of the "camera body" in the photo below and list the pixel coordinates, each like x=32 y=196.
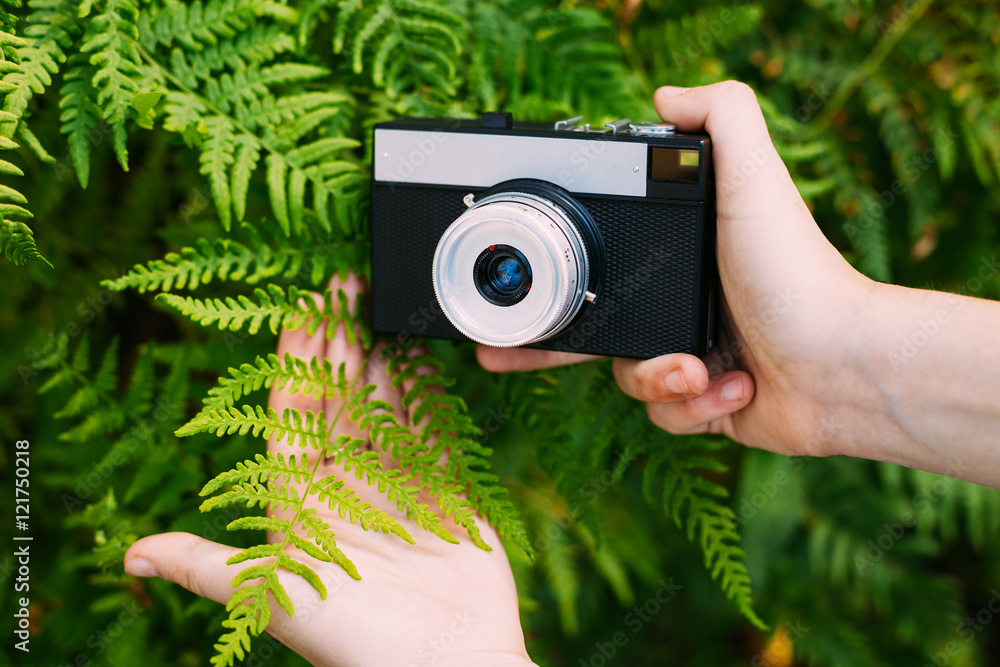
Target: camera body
x=559 y=237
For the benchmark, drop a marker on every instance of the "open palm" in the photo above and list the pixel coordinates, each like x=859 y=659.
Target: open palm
x=429 y=603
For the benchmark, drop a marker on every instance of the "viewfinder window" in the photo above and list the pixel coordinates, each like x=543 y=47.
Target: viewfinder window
x=675 y=164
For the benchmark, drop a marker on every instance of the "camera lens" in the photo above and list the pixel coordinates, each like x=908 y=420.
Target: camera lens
x=512 y=269
x=506 y=275
x=502 y=275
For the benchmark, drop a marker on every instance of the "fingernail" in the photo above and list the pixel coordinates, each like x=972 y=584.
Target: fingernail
x=732 y=390
x=676 y=382
x=140 y=567
x=673 y=91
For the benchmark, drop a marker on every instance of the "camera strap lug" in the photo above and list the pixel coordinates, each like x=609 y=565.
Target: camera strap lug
x=469 y=200
x=619 y=126
x=567 y=124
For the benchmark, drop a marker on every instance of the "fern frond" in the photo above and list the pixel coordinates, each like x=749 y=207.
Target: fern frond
x=462 y=487
x=230 y=260
x=17 y=241
x=294 y=311
x=707 y=520
x=50 y=27
x=249 y=610
x=80 y=115
x=418 y=37
x=217 y=154
x=319 y=531
x=333 y=492
x=111 y=40
x=39 y=58
x=250 y=48
x=267 y=496
x=269 y=468
x=90 y=393
x=309 y=430
x=196 y=25
x=314 y=378
x=394 y=484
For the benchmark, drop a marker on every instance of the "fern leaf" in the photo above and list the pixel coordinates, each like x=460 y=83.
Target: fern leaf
x=17 y=242
x=267 y=496
x=48 y=32
x=79 y=117
x=707 y=520
x=332 y=491
x=226 y=259
x=393 y=483
x=314 y=378
x=268 y=468
x=276 y=168
x=216 y=156
x=292 y=426
x=464 y=488
x=247 y=154
x=111 y=39
x=419 y=38
x=294 y=311
x=319 y=531
x=196 y=24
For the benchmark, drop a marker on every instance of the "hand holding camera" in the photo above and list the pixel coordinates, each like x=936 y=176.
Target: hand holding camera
x=806 y=359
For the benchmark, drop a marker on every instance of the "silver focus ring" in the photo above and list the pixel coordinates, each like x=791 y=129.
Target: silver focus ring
x=559 y=265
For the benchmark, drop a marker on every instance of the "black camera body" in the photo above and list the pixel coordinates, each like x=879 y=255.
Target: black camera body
x=559 y=237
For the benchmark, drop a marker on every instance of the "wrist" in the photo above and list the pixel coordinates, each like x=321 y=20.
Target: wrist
x=863 y=415
x=847 y=402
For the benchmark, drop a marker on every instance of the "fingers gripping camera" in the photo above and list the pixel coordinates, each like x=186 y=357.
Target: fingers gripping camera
x=558 y=237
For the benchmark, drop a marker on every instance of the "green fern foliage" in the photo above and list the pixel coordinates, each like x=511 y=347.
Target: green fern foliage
x=694 y=503
x=267 y=254
x=111 y=42
x=617 y=432
x=459 y=487
x=404 y=44
x=293 y=309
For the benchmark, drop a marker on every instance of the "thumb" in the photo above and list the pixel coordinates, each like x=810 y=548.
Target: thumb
x=746 y=164
x=191 y=561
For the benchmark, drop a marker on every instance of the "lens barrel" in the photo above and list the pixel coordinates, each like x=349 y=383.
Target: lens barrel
x=514 y=268
x=502 y=275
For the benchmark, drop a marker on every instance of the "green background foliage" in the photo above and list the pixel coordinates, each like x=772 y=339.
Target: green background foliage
x=224 y=147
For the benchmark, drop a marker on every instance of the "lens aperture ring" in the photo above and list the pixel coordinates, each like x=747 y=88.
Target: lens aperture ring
x=533 y=294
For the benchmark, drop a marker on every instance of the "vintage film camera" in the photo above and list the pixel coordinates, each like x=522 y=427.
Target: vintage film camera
x=564 y=237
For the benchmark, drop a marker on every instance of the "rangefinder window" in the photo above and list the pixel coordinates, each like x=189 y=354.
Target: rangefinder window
x=674 y=164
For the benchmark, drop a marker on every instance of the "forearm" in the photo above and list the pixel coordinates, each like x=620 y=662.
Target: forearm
x=925 y=370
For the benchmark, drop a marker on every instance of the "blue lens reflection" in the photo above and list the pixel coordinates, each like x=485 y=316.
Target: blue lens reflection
x=507 y=274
